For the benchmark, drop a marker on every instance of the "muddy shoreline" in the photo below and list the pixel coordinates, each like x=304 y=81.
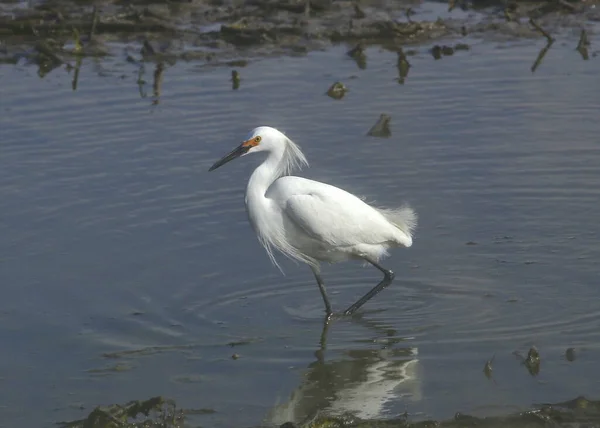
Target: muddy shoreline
x=58 y=32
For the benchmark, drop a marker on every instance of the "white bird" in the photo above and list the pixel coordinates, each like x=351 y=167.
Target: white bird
x=314 y=222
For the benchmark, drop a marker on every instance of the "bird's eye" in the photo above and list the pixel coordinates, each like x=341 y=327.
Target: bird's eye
x=257 y=139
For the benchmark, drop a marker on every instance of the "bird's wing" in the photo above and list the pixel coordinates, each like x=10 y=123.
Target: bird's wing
x=340 y=219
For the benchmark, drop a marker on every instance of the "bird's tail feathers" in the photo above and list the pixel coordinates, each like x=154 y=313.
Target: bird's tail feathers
x=404 y=218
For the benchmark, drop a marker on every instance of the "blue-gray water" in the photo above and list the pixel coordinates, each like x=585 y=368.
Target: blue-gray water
x=115 y=238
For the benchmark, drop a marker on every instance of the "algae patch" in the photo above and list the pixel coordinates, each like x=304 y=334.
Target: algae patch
x=154 y=412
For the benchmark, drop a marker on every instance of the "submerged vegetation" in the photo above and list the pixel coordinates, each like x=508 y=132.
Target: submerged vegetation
x=158 y=412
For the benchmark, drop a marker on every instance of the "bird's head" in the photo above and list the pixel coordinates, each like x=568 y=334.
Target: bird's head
x=263 y=138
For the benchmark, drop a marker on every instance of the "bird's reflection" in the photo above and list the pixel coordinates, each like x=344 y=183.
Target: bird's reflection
x=361 y=382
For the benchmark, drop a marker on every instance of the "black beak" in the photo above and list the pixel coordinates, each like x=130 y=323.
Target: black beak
x=235 y=153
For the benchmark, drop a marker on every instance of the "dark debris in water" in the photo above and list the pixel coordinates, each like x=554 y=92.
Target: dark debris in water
x=242 y=342
x=358 y=54
x=583 y=44
x=532 y=362
x=337 y=91
x=487 y=368
x=382 y=128
x=116 y=368
x=438 y=51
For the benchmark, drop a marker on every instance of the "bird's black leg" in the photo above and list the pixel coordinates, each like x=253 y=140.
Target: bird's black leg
x=324 y=331
x=388 y=277
x=323 y=291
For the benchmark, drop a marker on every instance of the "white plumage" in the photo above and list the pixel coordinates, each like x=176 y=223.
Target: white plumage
x=315 y=222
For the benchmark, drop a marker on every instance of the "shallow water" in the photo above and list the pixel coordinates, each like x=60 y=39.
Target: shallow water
x=119 y=248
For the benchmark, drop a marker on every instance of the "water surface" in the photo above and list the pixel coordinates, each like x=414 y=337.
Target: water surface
x=127 y=270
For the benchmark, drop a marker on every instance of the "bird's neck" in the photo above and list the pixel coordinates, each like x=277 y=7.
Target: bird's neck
x=263 y=176
x=257 y=204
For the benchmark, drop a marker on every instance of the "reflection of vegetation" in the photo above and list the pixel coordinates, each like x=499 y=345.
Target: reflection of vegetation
x=46 y=57
x=156 y=83
x=403 y=66
x=357 y=53
x=583 y=44
x=541 y=30
x=76 y=73
x=541 y=56
x=544 y=50
x=141 y=82
x=235 y=80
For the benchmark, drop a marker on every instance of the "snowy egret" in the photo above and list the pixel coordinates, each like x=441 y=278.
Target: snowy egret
x=314 y=222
